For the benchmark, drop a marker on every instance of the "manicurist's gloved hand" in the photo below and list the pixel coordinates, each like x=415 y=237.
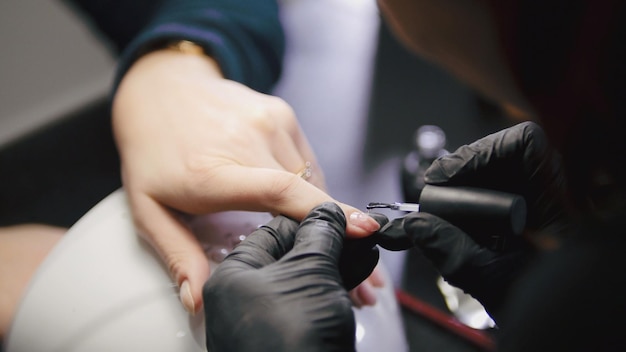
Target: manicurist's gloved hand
x=515 y=160
x=281 y=288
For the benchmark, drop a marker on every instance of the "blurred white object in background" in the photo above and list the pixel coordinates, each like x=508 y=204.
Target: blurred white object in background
x=102 y=288
x=465 y=307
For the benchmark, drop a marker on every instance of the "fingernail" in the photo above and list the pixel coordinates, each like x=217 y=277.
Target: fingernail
x=354 y=297
x=186 y=298
x=367 y=294
x=376 y=278
x=363 y=221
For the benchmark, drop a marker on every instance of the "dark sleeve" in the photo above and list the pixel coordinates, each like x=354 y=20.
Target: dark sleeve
x=115 y=22
x=244 y=36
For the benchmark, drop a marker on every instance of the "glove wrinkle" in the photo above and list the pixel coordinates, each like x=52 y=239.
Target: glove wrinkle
x=359 y=256
x=392 y=236
x=266 y=244
x=517 y=160
x=484 y=274
x=439 y=242
x=295 y=303
x=328 y=212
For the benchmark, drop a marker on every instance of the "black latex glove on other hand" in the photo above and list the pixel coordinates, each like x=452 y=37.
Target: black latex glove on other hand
x=281 y=288
x=515 y=160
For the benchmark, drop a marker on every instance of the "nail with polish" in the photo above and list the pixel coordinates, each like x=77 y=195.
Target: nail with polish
x=363 y=221
x=186 y=298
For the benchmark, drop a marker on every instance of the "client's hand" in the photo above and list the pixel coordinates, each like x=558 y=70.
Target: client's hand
x=192 y=142
x=281 y=289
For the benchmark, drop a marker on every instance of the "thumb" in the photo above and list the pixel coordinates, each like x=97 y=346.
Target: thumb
x=178 y=248
x=319 y=239
x=444 y=244
x=359 y=256
x=484 y=274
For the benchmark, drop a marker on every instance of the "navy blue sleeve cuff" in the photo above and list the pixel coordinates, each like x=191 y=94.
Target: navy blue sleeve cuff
x=244 y=37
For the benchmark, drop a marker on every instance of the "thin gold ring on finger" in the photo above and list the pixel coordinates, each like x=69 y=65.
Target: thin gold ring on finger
x=306 y=171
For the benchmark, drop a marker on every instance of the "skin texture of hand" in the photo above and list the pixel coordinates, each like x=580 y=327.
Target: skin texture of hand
x=516 y=160
x=192 y=142
x=281 y=289
x=22 y=249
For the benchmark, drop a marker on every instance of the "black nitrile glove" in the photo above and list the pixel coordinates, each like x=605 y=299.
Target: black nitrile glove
x=281 y=290
x=483 y=273
x=359 y=256
x=515 y=160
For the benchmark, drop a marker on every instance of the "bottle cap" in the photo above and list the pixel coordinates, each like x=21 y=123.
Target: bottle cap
x=430 y=140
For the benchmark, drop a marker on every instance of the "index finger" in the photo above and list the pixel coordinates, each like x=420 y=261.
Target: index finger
x=276 y=191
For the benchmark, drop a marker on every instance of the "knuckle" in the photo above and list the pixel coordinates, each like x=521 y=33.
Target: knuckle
x=282 y=191
x=534 y=132
x=199 y=174
x=279 y=105
x=261 y=119
x=283 y=113
x=196 y=167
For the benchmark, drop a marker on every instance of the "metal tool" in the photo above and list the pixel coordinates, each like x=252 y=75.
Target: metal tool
x=486 y=213
x=395 y=206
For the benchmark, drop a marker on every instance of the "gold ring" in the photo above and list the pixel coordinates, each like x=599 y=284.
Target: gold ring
x=306 y=171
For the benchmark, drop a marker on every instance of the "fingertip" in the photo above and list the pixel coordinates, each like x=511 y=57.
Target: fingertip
x=417 y=222
x=366 y=294
x=376 y=278
x=187 y=299
x=190 y=290
x=354 y=297
x=177 y=247
x=191 y=279
x=382 y=219
x=360 y=224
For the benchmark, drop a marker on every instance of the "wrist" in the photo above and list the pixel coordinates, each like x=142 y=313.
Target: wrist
x=162 y=72
x=179 y=55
